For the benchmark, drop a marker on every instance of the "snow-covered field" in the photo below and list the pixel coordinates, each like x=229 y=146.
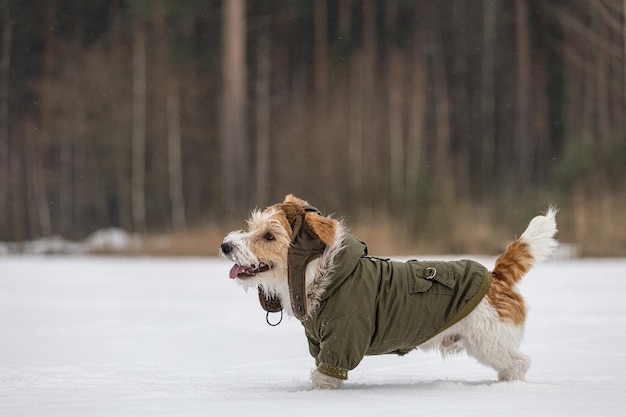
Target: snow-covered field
x=83 y=336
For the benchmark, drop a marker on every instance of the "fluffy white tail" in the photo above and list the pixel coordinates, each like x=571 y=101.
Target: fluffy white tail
x=539 y=235
x=536 y=244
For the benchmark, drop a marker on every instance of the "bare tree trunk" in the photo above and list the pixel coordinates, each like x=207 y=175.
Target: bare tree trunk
x=235 y=152
x=396 y=85
x=30 y=174
x=67 y=165
x=138 y=182
x=522 y=122
x=320 y=129
x=369 y=134
x=166 y=74
x=602 y=87
x=18 y=188
x=5 y=66
x=589 y=99
x=321 y=49
x=488 y=96
x=122 y=156
x=461 y=106
x=263 y=121
x=441 y=164
x=174 y=153
x=355 y=133
x=40 y=155
x=573 y=102
x=345 y=18
x=624 y=53
x=358 y=96
x=396 y=126
x=418 y=111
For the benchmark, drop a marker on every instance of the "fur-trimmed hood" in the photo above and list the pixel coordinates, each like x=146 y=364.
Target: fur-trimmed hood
x=336 y=265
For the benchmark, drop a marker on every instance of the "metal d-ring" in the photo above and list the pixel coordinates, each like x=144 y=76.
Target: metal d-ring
x=431 y=272
x=267 y=319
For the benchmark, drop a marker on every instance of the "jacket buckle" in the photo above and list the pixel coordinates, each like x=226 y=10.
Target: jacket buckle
x=431 y=272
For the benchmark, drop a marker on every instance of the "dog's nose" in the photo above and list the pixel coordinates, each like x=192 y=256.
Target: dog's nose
x=226 y=248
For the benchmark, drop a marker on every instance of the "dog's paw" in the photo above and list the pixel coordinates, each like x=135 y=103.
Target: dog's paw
x=517 y=371
x=323 y=381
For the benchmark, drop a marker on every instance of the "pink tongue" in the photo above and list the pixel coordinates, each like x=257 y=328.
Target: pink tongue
x=236 y=270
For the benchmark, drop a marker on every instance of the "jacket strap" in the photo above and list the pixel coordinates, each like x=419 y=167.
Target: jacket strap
x=305 y=247
x=270 y=303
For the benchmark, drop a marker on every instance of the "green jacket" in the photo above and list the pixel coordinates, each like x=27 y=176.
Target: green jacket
x=373 y=306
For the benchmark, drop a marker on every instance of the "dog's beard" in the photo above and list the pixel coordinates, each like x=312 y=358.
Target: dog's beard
x=250 y=275
x=270 y=280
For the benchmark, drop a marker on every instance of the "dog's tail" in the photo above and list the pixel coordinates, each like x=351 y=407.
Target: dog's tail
x=536 y=244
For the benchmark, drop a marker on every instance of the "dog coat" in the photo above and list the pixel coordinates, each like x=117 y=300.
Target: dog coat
x=373 y=306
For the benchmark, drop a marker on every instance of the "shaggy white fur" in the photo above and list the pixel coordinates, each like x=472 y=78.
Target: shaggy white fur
x=487 y=339
x=323 y=381
x=539 y=235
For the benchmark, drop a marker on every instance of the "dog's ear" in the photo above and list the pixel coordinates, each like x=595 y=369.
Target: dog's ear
x=290 y=198
x=324 y=227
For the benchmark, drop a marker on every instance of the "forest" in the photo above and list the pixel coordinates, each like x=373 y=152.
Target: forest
x=429 y=125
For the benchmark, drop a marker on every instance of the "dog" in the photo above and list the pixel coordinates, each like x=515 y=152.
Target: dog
x=352 y=304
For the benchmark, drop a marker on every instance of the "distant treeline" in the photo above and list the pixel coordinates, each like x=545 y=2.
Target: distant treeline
x=163 y=115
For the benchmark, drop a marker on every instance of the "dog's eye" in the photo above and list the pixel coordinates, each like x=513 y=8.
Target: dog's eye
x=269 y=236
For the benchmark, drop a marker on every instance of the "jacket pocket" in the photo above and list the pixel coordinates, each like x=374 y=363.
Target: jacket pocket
x=430 y=277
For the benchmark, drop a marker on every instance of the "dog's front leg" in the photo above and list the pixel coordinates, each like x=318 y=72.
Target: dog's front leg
x=323 y=381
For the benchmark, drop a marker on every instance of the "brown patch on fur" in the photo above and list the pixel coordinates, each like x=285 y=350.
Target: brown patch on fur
x=508 y=303
x=324 y=227
x=509 y=269
x=271 y=250
x=281 y=217
x=290 y=198
x=291 y=211
x=514 y=262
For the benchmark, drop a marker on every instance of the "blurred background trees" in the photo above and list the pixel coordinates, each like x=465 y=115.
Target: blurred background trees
x=446 y=123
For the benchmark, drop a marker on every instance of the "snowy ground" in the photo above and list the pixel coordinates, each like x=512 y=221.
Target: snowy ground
x=83 y=336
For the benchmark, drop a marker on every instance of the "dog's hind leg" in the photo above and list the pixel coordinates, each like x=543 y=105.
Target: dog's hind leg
x=451 y=344
x=506 y=358
x=516 y=370
x=495 y=343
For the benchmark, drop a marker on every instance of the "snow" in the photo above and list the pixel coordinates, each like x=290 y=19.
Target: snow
x=89 y=336
x=111 y=239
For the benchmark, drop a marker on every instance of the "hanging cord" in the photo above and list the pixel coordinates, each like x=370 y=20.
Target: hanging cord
x=267 y=319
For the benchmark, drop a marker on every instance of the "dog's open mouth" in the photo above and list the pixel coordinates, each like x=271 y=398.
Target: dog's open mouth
x=239 y=271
